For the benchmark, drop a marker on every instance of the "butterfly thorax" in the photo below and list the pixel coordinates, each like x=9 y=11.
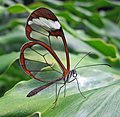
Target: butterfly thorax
x=72 y=74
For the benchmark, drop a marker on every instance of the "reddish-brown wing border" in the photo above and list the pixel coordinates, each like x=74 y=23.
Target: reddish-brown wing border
x=46 y=13
x=30 y=44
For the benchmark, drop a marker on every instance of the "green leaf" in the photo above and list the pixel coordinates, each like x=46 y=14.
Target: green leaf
x=2 y=10
x=13 y=24
x=15 y=36
x=107 y=50
x=116 y=3
x=98 y=100
x=75 y=44
x=115 y=42
x=93 y=28
x=12 y=76
x=70 y=17
x=7 y=60
x=115 y=13
x=111 y=29
x=36 y=114
x=8 y=3
x=54 y=4
x=75 y=33
x=79 y=11
x=18 y=8
x=95 y=46
x=95 y=19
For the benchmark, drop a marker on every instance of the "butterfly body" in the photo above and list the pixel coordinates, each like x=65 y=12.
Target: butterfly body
x=71 y=76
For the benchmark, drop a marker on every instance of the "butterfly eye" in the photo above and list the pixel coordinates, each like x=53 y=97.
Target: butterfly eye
x=74 y=74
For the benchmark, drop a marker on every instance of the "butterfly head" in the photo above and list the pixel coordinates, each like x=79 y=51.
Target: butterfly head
x=74 y=73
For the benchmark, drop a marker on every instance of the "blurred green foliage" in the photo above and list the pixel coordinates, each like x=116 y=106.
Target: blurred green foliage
x=89 y=26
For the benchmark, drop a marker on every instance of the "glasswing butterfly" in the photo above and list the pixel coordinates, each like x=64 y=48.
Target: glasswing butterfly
x=39 y=57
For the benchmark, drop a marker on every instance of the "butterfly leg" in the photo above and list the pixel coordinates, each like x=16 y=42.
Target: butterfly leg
x=64 y=87
x=71 y=81
x=65 y=90
x=57 y=96
x=77 y=85
x=79 y=88
x=56 y=91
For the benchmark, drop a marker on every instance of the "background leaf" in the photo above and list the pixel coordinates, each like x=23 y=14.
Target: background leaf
x=17 y=104
x=5 y=63
x=18 y=8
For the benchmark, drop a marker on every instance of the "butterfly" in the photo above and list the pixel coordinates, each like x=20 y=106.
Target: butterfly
x=40 y=58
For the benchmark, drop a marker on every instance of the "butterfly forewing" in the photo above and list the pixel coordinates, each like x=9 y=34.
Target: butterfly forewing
x=43 y=25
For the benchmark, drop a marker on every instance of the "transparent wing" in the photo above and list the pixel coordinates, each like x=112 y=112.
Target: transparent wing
x=43 y=25
x=41 y=62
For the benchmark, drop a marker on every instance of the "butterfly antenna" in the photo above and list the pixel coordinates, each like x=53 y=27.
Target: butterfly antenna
x=82 y=59
x=93 y=65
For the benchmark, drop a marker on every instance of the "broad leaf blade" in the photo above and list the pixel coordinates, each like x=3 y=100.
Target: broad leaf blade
x=6 y=60
x=15 y=102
